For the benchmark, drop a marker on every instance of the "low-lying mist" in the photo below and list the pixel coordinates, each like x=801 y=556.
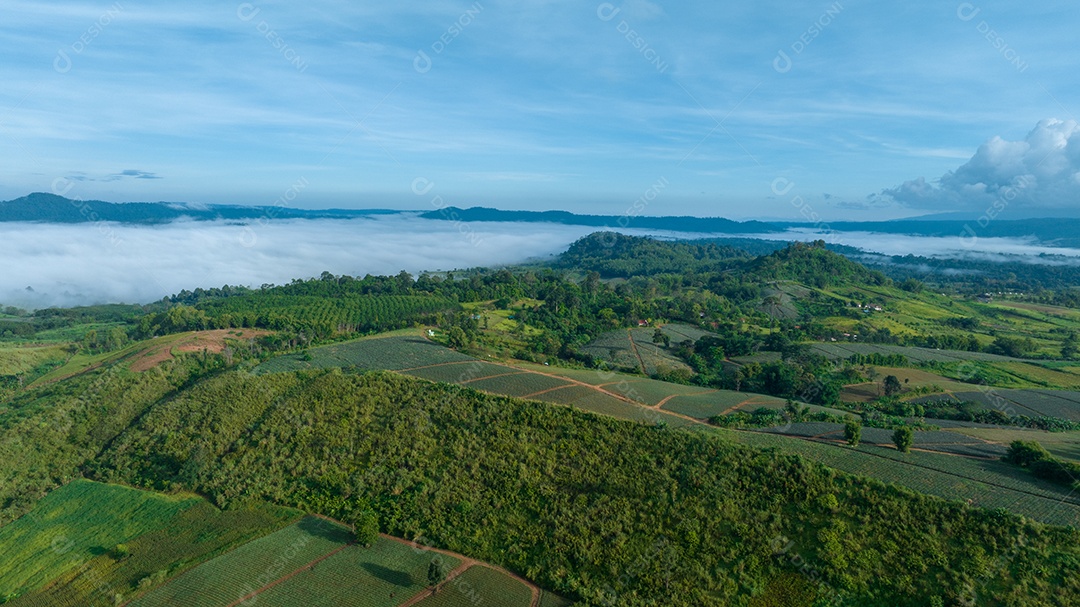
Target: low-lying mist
x=65 y=265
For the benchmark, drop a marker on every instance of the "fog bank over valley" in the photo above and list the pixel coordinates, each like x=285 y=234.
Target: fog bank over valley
x=64 y=265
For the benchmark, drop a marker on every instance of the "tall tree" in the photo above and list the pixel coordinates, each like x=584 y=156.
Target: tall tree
x=852 y=432
x=903 y=437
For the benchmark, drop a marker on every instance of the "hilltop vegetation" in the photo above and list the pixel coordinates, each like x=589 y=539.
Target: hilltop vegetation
x=540 y=486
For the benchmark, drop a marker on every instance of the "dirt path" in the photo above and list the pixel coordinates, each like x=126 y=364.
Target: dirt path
x=633 y=346
x=749 y=401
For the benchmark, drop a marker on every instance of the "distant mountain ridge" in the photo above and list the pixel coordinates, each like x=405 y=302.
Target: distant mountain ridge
x=51 y=208
x=683 y=223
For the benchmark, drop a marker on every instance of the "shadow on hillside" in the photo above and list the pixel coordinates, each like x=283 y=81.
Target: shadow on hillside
x=397 y=578
x=325 y=529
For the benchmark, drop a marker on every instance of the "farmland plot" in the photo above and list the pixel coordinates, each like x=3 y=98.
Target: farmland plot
x=480 y=585
x=236 y=574
x=384 y=575
x=462 y=372
x=522 y=384
x=392 y=353
x=704 y=406
x=986 y=484
x=75 y=523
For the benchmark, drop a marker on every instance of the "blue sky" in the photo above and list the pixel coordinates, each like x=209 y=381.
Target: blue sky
x=583 y=106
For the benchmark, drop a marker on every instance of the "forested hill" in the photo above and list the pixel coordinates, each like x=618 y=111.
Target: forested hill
x=812 y=264
x=674 y=224
x=616 y=255
x=57 y=209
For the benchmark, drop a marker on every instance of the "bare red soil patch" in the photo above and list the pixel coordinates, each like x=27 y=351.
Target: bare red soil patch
x=198 y=341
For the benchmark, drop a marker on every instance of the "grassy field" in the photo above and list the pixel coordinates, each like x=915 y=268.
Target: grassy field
x=81 y=363
x=384 y=575
x=480 y=585
x=240 y=572
x=17 y=360
x=548 y=599
x=76 y=523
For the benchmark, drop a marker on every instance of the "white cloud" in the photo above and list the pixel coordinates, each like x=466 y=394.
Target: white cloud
x=1042 y=171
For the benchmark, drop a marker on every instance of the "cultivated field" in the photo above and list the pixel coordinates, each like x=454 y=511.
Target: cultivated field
x=235 y=575
x=384 y=575
x=1061 y=444
x=393 y=352
x=1033 y=403
x=845 y=350
x=634 y=349
x=988 y=484
x=76 y=523
x=465 y=371
x=480 y=585
x=937 y=440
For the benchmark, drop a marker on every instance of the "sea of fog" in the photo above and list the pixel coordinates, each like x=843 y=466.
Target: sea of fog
x=62 y=265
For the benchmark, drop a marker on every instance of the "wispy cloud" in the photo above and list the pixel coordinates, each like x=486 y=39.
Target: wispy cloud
x=209 y=96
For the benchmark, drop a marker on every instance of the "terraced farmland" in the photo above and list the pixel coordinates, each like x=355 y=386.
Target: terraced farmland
x=650 y=391
x=593 y=377
x=480 y=585
x=235 y=575
x=384 y=575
